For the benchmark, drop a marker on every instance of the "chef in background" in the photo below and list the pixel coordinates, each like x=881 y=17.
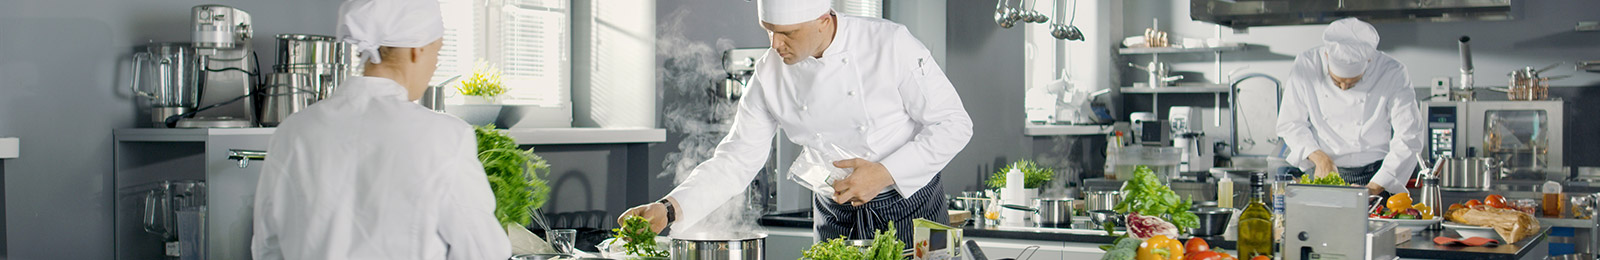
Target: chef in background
x=1350 y=108
x=863 y=84
x=370 y=174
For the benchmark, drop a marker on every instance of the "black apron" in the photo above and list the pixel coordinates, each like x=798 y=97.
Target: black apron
x=860 y=222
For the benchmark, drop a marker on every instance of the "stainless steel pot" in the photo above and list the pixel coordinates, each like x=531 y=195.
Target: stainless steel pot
x=286 y=93
x=1100 y=217
x=735 y=246
x=1467 y=174
x=1050 y=213
x=1102 y=200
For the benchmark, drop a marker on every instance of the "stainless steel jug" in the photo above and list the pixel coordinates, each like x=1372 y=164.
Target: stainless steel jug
x=285 y=93
x=164 y=76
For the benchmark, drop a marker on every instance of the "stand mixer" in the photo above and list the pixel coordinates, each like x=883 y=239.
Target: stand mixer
x=225 y=64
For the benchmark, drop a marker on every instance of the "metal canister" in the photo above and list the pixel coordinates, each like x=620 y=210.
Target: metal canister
x=286 y=93
x=1464 y=174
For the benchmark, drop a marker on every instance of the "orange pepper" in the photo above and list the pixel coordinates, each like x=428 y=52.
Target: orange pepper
x=1160 y=247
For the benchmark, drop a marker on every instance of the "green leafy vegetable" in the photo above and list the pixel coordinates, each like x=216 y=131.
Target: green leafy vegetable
x=640 y=241
x=1033 y=175
x=514 y=176
x=1124 y=248
x=885 y=246
x=1145 y=194
x=1332 y=179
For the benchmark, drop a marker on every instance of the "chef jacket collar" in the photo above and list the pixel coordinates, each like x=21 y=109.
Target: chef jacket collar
x=837 y=48
x=371 y=87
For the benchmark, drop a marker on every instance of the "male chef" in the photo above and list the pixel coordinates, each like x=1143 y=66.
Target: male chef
x=368 y=173
x=1350 y=108
x=862 y=84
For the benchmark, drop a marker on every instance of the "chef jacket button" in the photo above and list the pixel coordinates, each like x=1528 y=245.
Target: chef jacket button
x=802 y=107
x=851 y=93
x=861 y=128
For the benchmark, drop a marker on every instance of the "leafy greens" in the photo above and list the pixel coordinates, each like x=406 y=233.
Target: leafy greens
x=640 y=241
x=514 y=176
x=1033 y=175
x=1148 y=196
x=885 y=246
x=1332 y=179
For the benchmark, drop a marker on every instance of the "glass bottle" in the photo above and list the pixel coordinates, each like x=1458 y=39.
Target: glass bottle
x=1255 y=223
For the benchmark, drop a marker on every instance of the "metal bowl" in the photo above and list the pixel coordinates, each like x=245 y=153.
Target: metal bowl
x=1213 y=221
x=1100 y=217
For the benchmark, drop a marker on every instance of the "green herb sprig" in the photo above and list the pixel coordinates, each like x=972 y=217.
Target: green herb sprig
x=639 y=240
x=1033 y=175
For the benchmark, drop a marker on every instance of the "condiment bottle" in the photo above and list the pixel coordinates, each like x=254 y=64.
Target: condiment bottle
x=1552 y=199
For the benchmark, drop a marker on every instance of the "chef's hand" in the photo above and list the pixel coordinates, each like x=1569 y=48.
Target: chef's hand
x=655 y=212
x=864 y=183
x=1324 y=164
x=1374 y=188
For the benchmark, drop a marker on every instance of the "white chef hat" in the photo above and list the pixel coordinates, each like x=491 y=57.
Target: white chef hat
x=786 y=12
x=369 y=24
x=1350 y=45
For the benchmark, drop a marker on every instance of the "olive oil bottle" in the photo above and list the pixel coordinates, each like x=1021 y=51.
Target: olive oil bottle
x=1255 y=223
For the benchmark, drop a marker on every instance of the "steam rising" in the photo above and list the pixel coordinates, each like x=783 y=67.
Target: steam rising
x=687 y=72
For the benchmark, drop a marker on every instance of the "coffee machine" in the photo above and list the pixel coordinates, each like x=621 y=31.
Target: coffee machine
x=1188 y=135
x=225 y=65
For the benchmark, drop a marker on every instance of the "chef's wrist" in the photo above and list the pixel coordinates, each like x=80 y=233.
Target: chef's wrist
x=671 y=207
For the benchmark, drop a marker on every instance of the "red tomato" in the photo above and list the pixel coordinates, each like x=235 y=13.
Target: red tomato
x=1261 y=257
x=1226 y=256
x=1196 y=245
x=1495 y=201
x=1473 y=203
x=1205 y=255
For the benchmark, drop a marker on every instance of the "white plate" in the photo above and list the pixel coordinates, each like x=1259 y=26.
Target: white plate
x=1416 y=225
x=1467 y=231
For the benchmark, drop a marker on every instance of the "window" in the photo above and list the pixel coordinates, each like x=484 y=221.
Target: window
x=527 y=39
x=868 y=8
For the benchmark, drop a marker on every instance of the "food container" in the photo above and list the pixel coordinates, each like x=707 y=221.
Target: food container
x=735 y=246
x=1162 y=160
x=1213 y=221
x=1102 y=200
x=1467 y=174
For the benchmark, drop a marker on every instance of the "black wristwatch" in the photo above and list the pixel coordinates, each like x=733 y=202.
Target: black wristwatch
x=672 y=214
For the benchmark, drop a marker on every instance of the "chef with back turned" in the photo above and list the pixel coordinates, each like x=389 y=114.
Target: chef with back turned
x=370 y=174
x=1350 y=109
x=835 y=82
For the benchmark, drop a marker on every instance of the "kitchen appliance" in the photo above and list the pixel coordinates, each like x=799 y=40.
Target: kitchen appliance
x=324 y=58
x=734 y=246
x=174 y=211
x=1189 y=136
x=1430 y=187
x=740 y=64
x=284 y=94
x=226 y=64
x=1318 y=224
x=1156 y=74
x=1526 y=136
x=1148 y=129
x=164 y=76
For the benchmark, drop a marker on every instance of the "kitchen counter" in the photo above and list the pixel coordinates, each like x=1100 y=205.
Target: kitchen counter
x=1420 y=246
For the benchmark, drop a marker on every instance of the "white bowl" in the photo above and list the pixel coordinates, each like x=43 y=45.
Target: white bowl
x=475 y=114
x=1467 y=231
x=1416 y=225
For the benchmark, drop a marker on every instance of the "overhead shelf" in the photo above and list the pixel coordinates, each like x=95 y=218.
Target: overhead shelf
x=1065 y=130
x=529 y=136
x=1139 y=88
x=1166 y=50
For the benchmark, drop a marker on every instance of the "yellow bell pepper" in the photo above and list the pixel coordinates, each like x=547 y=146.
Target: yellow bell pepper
x=1160 y=247
x=1427 y=212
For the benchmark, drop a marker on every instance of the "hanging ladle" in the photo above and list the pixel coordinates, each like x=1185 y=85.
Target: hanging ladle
x=1068 y=32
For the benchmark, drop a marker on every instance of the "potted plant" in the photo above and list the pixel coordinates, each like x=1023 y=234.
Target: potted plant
x=1033 y=177
x=481 y=92
x=484 y=86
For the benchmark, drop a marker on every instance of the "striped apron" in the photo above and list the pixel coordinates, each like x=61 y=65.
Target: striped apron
x=859 y=222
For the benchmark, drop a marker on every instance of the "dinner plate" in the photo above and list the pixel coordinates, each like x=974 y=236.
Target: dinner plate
x=1467 y=231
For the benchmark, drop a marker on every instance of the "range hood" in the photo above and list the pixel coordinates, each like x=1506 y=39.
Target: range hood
x=1248 y=13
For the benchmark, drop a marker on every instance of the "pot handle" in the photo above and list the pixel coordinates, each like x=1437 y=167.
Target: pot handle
x=1021 y=207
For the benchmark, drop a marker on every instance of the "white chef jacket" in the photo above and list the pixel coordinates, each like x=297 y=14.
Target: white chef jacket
x=1378 y=119
x=367 y=174
x=875 y=91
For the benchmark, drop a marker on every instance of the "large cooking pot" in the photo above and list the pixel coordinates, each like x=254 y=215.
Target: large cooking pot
x=736 y=246
x=1102 y=200
x=1467 y=174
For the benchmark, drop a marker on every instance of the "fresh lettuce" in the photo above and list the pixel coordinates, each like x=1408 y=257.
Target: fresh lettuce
x=1146 y=195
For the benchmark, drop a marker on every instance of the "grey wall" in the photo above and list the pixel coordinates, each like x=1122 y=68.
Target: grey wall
x=62 y=89
x=1541 y=35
